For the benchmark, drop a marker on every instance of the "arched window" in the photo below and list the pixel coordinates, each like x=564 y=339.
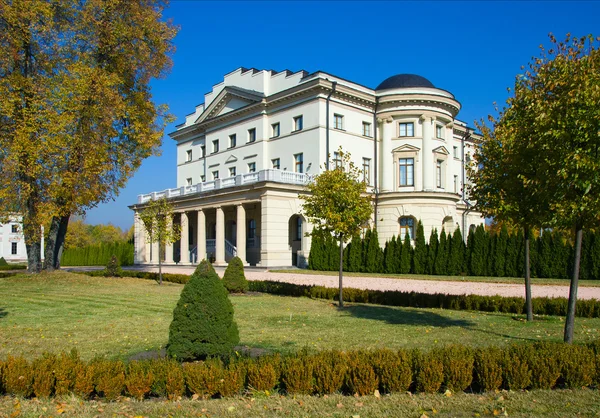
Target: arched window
x=407 y=226
x=298 y=234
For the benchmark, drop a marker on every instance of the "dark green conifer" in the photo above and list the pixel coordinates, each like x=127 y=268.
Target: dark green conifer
x=440 y=266
x=420 y=252
x=500 y=252
x=317 y=251
x=374 y=254
x=512 y=256
x=355 y=254
x=478 y=252
x=203 y=322
x=456 y=257
x=432 y=249
x=234 y=278
x=406 y=255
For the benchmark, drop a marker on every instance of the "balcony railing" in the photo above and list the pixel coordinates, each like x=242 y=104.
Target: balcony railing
x=276 y=176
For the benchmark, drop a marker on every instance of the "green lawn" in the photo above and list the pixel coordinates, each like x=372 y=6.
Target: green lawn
x=509 y=280
x=123 y=317
x=557 y=403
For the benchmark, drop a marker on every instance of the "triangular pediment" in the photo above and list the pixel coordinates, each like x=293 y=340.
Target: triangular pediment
x=231 y=159
x=441 y=150
x=406 y=148
x=229 y=100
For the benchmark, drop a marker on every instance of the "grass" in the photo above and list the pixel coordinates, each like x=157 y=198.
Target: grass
x=480 y=279
x=124 y=317
x=557 y=403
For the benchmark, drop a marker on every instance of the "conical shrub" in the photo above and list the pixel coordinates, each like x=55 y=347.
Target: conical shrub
x=234 y=278
x=203 y=322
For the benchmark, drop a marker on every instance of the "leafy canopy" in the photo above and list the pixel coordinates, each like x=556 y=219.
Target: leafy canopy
x=337 y=201
x=157 y=219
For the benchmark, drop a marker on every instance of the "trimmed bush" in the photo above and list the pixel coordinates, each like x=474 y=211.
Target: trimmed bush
x=113 y=269
x=43 y=376
x=393 y=370
x=234 y=278
x=360 y=377
x=578 y=366
x=17 y=376
x=65 y=372
x=428 y=371
x=262 y=374
x=329 y=371
x=203 y=322
x=98 y=255
x=168 y=378
x=516 y=371
x=3 y=262
x=488 y=368
x=457 y=361
x=139 y=379
x=204 y=378
x=297 y=375
x=109 y=377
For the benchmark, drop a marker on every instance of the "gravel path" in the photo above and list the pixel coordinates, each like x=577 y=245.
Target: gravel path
x=407 y=285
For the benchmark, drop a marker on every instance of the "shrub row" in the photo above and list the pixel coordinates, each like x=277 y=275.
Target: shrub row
x=167 y=277
x=97 y=255
x=498 y=254
x=456 y=368
x=586 y=308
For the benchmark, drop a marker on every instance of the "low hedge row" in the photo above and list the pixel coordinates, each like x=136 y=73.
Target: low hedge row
x=455 y=368
x=586 y=308
x=13 y=267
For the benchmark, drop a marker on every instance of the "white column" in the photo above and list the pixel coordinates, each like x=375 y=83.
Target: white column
x=185 y=240
x=428 y=166
x=387 y=170
x=139 y=239
x=169 y=245
x=241 y=233
x=201 y=237
x=450 y=162
x=42 y=243
x=220 y=238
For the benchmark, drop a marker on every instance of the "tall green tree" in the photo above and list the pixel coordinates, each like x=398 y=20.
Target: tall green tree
x=77 y=116
x=441 y=260
x=456 y=258
x=337 y=202
x=157 y=219
x=420 y=251
x=406 y=255
x=432 y=250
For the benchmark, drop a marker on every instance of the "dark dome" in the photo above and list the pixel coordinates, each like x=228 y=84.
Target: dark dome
x=403 y=81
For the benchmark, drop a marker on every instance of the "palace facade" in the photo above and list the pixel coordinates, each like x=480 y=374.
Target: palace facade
x=246 y=153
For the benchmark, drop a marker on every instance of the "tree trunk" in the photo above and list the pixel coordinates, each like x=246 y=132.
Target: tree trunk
x=341 y=304
x=570 y=320
x=34 y=257
x=528 y=303
x=55 y=242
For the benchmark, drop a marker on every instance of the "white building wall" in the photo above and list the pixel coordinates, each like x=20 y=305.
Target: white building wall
x=8 y=237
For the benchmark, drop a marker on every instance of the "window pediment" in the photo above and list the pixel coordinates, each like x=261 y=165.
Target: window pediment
x=231 y=159
x=406 y=148
x=441 y=150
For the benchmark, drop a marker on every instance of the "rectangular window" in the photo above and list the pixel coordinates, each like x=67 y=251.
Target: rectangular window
x=407 y=227
x=202 y=151
x=202 y=179
x=231 y=171
x=13 y=248
x=407 y=169
x=338 y=121
x=337 y=160
x=188 y=181
x=215 y=174
x=215 y=146
x=455 y=184
x=251 y=167
x=251 y=229
x=407 y=129
x=367 y=170
x=299 y=163
x=275 y=130
x=232 y=141
x=298 y=236
x=439 y=131
x=438 y=174
x=14 y=229
x=251 y=135
x=366 y=129
x=276 y=163
x=455 y=152
x=188 y=155
x=298 y=123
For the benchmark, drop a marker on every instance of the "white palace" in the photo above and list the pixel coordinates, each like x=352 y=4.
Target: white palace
x=246 y=153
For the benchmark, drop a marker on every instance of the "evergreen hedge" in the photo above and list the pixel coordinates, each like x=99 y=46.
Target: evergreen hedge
x=485 y=254
x=234 y=278
x=98 y=255
x=457 y=368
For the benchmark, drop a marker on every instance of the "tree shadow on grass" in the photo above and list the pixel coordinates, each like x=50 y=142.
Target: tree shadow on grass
x=3 y=313
x=405 y=317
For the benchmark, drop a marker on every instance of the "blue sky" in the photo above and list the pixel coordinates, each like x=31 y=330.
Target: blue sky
x=473 y=49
